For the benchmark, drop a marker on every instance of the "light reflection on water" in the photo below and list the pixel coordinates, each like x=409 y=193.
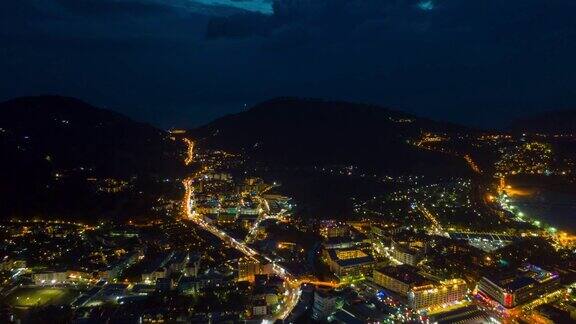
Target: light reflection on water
x=557 y=209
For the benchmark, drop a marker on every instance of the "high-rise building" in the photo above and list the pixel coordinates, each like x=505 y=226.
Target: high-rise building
x=193 y=266
x=248 y=268
x=324 y=304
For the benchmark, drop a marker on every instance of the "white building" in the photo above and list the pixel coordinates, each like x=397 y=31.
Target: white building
x=324 y=304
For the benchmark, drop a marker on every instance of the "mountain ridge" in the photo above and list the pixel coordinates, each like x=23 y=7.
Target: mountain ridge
x=61 y=153
x=315 y=131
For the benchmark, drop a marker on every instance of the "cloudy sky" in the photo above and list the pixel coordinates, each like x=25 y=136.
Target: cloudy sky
x=185 y=62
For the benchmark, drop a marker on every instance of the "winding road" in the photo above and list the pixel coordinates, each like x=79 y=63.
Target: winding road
x=293 y=285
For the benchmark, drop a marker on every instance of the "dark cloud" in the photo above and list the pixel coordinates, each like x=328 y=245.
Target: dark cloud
x=107 y=7
x=240 y=25
x=174 y=62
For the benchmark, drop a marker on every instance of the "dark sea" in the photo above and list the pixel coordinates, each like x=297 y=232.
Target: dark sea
x=555 y=208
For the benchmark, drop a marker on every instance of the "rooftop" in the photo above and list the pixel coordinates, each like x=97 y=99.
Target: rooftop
x=522 y=277
x=349 y=257
x=404 y=273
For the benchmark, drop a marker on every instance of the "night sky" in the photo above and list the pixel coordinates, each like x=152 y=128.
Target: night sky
x=185 y=62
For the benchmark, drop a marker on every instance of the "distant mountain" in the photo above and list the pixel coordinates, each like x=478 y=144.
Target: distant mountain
x=552 y=122
x=310 y=146
x=51 y=145
x=304 y=132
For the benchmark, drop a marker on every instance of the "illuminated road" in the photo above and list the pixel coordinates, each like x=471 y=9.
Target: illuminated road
x=293 y=285
x=436 y=226
x=261 y=218
x=293 y=289
x=472 y=164
x=190 y=151
x=188 y=200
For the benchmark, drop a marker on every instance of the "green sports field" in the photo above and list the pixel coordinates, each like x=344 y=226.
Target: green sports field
x=40 y=296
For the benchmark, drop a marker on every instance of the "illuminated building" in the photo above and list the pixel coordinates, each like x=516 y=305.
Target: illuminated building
x=182 y=262
x=407 y=253
x=400 y=279
x=155 y=268
x=192 y=267
x=515 y=288
x=259 y=308
x=247 y=269
x=443 y=292
x=153 y=276
x=188 y=285
x=342 y=242
x=349 y=261
x=329 y=229
x=115 y=269
x=208 y=206
x=227 y=217
x=50 y=277
x=557 y=313
x=324 y=304
x=419 y=291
